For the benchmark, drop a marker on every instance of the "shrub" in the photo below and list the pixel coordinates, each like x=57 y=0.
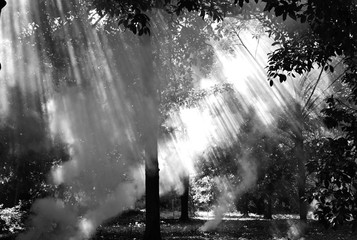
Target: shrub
x=11 y=219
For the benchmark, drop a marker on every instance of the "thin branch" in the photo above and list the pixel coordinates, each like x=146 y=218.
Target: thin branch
x=246 y=48
x=338 y=78
x=98 y=20
x=347 y=106
x=313 y=90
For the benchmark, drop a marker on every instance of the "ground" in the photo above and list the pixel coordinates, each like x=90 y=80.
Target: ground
x=282 y=227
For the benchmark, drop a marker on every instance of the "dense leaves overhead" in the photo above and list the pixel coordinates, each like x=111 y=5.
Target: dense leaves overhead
x=324 y=29
x=306 y=32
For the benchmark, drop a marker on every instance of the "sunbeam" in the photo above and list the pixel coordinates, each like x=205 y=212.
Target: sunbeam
x=86 y=83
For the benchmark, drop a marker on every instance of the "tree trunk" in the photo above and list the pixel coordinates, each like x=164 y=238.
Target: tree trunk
x=301 y=181
x=185 y=199
x=300 y=156
x=148 y=126
x=152 y=200
x=18 y=182
x=268 y=207
x=245 y=203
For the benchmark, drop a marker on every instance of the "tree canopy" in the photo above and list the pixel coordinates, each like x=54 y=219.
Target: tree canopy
x=307 y=34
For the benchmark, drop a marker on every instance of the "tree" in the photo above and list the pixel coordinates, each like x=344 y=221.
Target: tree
x=325 y=30
x=185 y=199
x=27 y=152
x=132 y=15
x=53 y=49
x=334 y=169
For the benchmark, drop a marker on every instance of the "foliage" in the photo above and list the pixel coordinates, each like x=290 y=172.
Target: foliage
x=313 y=31
x=324 y=30
x=132 y=14
x=256 y=165
x=334 y=168
x=27 y=152
x=203 y=191
x=335 y=158
x=11 y=218
x=181 y=61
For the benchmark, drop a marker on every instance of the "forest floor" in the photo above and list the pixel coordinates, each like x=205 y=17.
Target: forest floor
x=281 y=227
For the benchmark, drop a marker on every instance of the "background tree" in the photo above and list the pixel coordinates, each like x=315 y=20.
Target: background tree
x=28 y=152
x=322 y=46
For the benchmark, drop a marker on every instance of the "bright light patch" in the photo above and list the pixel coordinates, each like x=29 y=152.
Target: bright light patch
x=86 y=227
x=195 y=126
x=57 y=175
x=207 y=83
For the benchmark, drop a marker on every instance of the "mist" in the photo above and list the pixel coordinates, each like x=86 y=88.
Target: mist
x=92 y=95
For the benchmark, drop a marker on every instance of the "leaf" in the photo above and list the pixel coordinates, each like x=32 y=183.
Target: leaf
x=331 y=68
x=202 y=14
x=271 y=83
x=279 y=11
x=121 y=21
x=268 y=7
x=284 y=16
x=302 y=18
x=282 y=77
x=339 y=51
x=292 y=15
x=147 y=30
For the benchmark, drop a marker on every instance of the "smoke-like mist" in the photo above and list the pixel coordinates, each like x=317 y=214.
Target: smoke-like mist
x=104 y=172
x=91 y=95
x=248 y=171
x=84 y=101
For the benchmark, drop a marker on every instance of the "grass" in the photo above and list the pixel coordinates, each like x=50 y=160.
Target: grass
x=282 y=227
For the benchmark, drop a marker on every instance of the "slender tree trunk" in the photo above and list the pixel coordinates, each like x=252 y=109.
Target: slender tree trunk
x=185 y=199
x=245 y=203
x=301 y=181
x=300 y=156
x=268 y=206
x=18 y=182
x=148 y=125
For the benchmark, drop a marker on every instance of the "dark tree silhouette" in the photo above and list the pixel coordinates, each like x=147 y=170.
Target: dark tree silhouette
x=185 y=198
